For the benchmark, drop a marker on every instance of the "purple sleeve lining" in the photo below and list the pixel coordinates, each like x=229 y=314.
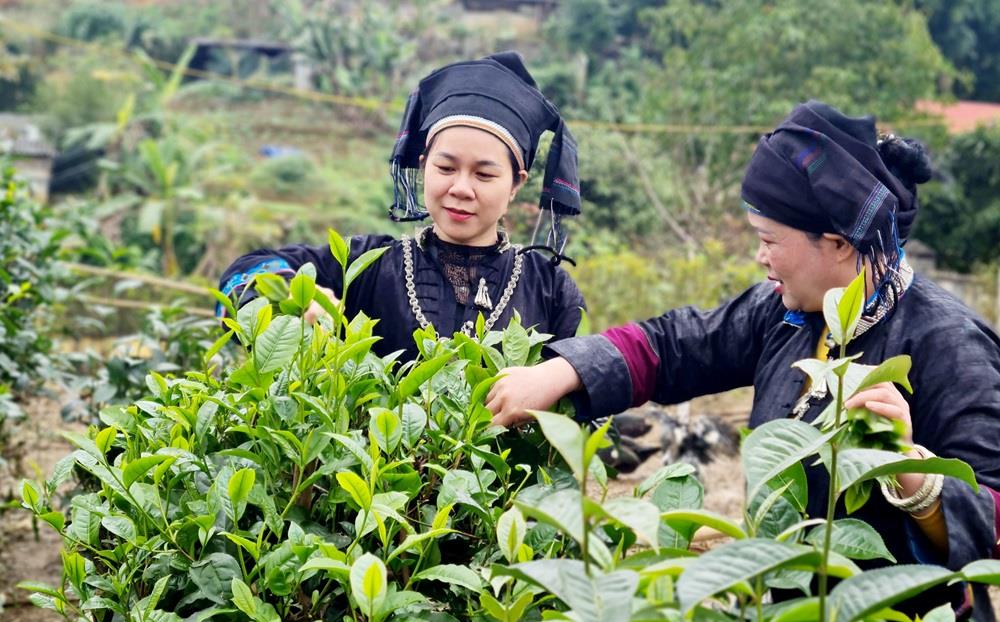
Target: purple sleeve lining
x=642 y=362
x=996 y=521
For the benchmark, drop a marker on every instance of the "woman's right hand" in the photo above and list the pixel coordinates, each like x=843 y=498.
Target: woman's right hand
x=314 y=312
x=530 y=388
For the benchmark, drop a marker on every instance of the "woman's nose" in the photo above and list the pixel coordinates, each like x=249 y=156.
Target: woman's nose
x=461 y=188
x=761 y=256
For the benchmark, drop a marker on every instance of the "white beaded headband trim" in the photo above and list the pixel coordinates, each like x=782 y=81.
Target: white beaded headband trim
x=483 y=124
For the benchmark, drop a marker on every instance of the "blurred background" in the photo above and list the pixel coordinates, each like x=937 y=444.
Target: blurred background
x=145 y=144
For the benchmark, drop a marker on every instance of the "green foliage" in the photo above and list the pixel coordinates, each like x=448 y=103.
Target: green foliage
x=968 y=33
x=960 y=215
x=170 y=340
x=29 y=284
x=625 y=286
x=94 y=21
x=686 y=64
x=286 y=177
x=315 y=480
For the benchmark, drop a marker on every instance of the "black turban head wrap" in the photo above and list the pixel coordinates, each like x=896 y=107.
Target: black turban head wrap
x=495 y=94
x=820 y=171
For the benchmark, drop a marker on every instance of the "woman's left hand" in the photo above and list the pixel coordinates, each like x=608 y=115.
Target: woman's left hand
x=884 y=399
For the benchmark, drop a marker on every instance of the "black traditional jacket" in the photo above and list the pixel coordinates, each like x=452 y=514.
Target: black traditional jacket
x=753 y=341
x=545 y=296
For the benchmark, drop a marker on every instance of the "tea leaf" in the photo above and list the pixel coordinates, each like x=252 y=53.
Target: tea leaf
x=385 y=428
x=730 y=564
x=356 y=487
x=671 y=471
x=639 y=515
x=894 y=370
x=853 y=539
x=368 y=583
x=566 y=437
x=121 y=526
x=417 y=538
x=422 y=373
x=874 y=590
x=983 y=571
x=243 y=598
x=858 y=465
x=851 y=305
x=29 y=494
x=708 y=519
x=104 y=439
x=414 y=422
x=515 y=344
x=154 y=596
x=250 y=546
x=224 y=300
x=137 y=468
x=271 y=286
x=215 y=347
x=360 y=264
x=601 y=598
x=240 y=485
x=775 y=446
x=454 y=574
x=338 y=248
x=275 y=348
x=511 y=529
x=302 y=288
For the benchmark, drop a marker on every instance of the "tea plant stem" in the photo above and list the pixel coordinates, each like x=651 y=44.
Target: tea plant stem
x=586 y=522
x=831 y=496
x=759 y=597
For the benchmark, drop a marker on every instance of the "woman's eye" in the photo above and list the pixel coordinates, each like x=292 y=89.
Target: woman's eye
x=486 y=176
x=445 y=169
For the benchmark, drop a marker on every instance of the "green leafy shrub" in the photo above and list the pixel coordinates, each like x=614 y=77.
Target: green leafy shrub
x=169 y=341
x=316 y=481
x=623 y=286
x=29 y=285
x=311 y=481
x=285 y=177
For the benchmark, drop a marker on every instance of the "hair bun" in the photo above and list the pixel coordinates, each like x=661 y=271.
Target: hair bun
x=906 y=159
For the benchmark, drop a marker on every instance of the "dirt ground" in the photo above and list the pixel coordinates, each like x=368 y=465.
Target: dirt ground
x=36 y=446
x=39 y=446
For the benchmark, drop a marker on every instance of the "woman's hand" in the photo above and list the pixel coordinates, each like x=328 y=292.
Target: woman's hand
x=314 y=312
x=885 y=400
x=530 y=388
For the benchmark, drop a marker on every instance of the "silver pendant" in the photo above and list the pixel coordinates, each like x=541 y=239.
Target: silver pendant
x=483 y=296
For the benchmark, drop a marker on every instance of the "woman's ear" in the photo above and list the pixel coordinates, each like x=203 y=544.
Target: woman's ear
x=519 y=180
x=842 y=248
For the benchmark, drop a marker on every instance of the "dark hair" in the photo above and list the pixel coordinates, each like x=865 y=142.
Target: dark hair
x=514 y=167
x=906 y=159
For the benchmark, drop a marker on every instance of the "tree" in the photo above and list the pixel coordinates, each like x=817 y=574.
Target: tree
x=968 y=33
x=698 y=65
x=960 y=214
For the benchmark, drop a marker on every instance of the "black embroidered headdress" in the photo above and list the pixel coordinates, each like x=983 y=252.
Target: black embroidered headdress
x=820 y=171
x=496 y=94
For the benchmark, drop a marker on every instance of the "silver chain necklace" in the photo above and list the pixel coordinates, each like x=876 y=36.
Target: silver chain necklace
x=468 y=328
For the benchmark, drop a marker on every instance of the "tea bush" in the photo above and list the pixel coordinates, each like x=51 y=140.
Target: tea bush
x=317 y=481
x=29 y=289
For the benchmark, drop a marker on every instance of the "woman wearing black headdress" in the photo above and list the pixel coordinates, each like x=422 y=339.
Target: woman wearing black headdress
x=824 y=196
x=471 y=129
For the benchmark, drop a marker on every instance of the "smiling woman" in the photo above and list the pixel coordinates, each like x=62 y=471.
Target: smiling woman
x=827 y=197
x=471 y=130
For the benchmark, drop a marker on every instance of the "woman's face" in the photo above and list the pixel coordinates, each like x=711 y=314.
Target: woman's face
x=802 y=268
x=468 y=185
